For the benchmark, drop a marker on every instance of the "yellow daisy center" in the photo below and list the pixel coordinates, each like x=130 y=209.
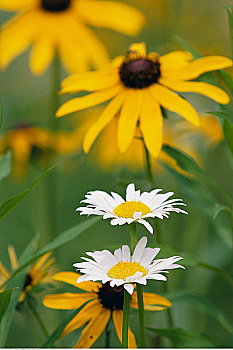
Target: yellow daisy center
x=126 y=269
x=55 y=5
x=127 y=209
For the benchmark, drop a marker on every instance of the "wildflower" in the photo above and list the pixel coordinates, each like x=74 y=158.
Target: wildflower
x=61 y=25
x=103 y=300
x=136 y=208
x=37 y=275
x=24 y=140
x=137 y=86
x=121 y=268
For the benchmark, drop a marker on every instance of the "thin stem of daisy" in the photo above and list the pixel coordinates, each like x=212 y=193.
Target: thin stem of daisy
x=142 y=336
x=149 y=171
x=133 y=236
x=125 y=323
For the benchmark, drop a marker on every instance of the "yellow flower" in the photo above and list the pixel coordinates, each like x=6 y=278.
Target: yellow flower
x=23 y=140
x=38 y=274
x=103 y=301
x=137 y=86
x=61 y=25
x=175 y=134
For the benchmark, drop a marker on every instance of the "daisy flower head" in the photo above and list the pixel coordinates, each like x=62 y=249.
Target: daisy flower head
x=63 y=26
x=121 y=268
x=138 y=85
x=136 y=208
x=104 y=302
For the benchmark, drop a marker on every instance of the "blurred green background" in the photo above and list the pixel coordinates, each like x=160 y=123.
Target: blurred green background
x=204 y=25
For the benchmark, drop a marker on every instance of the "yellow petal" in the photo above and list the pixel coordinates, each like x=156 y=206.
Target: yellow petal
x=173 y=102
x=14 y=5
x=87 y=101
x=40 y=262
x=175 y=59
x=138 y=48
x=95 y=50
x=128 y=118
x=108 y=114
x=4 y=271
x=195 y=68
x=16 y=36
x=13 y=257
x=71 y=278
x=151 y=124
x=112 y=14
x=97 y=81
x=150 y=299
x=85 y=315
x=42 y=55
x=205 y=89
x=94 y=329
x=118 y=320
x=67 y=301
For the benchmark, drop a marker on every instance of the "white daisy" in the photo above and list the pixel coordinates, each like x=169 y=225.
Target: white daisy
x=137 y=206
x=121 y=268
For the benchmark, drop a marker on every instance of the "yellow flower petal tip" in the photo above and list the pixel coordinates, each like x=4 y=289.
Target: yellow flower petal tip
x=138 y=48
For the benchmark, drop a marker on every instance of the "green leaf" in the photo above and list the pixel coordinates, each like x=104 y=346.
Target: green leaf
x=228 y=132
x=230 y=19
x=224 y=115
x=7 y=206
x=0 y=116
x=195 y=53
x=219 y=208
x=204 y=305
x=227 y=79
x=202 y=199
x=183 y=338
x=58 y=331
x=189 y=260
x=17 y=282
x=62 y=239
x=5 y=298
x=5 y=165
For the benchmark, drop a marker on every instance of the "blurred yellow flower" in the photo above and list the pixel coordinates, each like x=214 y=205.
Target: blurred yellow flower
x=103 y=301
x=23 y=140
x=61 y=25
x=38 y=274
x=175 y=134
x=137 y=86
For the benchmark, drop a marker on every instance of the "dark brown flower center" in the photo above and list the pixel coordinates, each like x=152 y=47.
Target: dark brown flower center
x=139 y=73
x=111 y=297
x=55 y=5
x=27 y=282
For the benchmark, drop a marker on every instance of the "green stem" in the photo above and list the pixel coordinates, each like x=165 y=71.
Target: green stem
x=142 y=337
x=107 y=338
x=52 y=182
x=125 y=323
x=157 y=228
x=39 y=320
x=133 y=236
x=149 y=171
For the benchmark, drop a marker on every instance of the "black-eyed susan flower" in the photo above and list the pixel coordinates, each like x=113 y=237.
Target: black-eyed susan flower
x=62 y=25
x=137 y=86
x=136 y=208
x=23 y=140
x=122 y=269
x=104 y=301
x=39 y=274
